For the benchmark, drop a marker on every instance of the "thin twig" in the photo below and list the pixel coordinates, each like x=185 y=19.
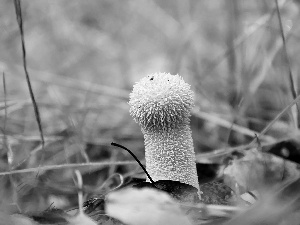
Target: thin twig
x=18 y=9
x=138 y=161
x=291 y=78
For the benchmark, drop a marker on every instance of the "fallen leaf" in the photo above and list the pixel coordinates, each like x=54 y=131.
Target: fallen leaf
x=144 y=206
x=18 y=219
x=81 y=219
x=258 y=170
x=279 y=207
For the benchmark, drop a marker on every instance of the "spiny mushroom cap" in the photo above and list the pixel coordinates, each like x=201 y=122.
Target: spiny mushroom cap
x=161 y=101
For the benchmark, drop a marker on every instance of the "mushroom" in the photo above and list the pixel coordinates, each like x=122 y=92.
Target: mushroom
x=161 y=103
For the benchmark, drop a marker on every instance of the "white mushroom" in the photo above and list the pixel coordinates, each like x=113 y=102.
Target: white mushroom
x=161 y=104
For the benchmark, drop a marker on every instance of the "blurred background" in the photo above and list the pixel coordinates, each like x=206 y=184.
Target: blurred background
x=84 y=57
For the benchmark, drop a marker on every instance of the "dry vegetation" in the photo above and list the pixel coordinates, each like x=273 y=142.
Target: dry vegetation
x=83 y=58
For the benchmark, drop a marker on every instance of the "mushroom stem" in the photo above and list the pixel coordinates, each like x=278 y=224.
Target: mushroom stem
x=170 y=155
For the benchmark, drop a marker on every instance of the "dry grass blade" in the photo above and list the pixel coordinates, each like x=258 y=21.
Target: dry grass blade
x=80 y=194
x=279 y=207
x=291 y=79
x=265 y=130
x=224 y=123
x=4 y=137
x=5 y=108
x=71 y=83
x=7 y=148
x=33 y=138
x=261 y=76
x=65 y=166
x=238 y=41
x=32 y=153
x=18 y=9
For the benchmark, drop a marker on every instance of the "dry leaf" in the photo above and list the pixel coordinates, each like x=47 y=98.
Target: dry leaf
x=257 y=170
x=279 y=207
x=81 y=219
x=144 y=206
x=18 y=219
